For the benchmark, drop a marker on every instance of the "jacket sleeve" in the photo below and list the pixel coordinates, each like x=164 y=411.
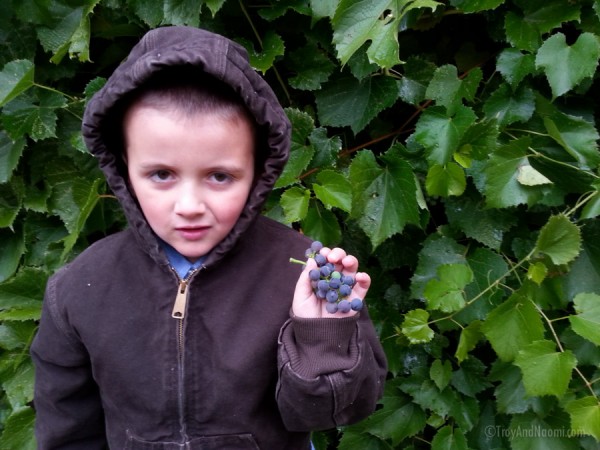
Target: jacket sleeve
x=69 y=413
x=331 y=372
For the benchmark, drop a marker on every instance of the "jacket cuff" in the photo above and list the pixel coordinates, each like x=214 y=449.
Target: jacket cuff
x=323 y=346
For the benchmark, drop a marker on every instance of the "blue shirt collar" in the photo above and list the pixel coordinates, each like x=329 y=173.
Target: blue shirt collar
x=179 y=262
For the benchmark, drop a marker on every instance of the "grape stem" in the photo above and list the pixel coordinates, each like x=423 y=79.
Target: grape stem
x=297 y=261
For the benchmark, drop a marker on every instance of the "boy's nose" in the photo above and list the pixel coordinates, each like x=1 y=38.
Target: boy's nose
x=190 y=202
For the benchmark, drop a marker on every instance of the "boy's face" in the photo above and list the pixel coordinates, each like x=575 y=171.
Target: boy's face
x=191 y=175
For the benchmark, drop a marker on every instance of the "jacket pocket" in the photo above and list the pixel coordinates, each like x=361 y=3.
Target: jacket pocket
x=243 y=441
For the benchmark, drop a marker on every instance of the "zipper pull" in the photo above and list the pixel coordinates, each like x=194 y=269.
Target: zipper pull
x=180 y=301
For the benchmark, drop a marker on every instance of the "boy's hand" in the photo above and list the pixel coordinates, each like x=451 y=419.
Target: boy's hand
x=307 y=305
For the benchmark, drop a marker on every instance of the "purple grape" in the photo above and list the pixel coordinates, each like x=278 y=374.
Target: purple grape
x=334 y=283
x=316 y=246
x=348 y=280
x=325 y=271
x=314 y=274
x=320 y=260
x=323 y=285
x=332 y=296
x=344 y=306
x=356 y=304
x=331 y=307
x=345 y=290
x=321 y=294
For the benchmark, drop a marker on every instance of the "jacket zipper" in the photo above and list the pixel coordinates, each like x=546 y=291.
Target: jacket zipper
x=179 y=310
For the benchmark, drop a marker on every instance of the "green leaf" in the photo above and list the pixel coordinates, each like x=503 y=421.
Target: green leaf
x=508 y=106
x=350 y=102
x=10 y=153
x=416 y=327
x=311 y=66
x=22 y=116
x=502 y=187
x=385 y=198
x=377 y=21
x=471 y=6
x=417 y=75
x=515 y=65
x=539 y=359
x=585 y=416
x=446 y=180
x=18 y=430
x=510 y=393
x=334 y=190
x=301 y=152
x=446 y=293
x=592 y=207
x=566 y=66
x=513 y=325
x=530 y=432
x=271 y=48
x=16 y=77
x=449 y=438
x=440 y=373
x=441 y=134
x=150 y=11
x=469 y=337
x=445 y=87
x=520 y=33
x=13 y=247
x=587 y=321
x=577 y=136
x=537 y=272
x=528 y=176
x=24 y=291
x=321 y=224
x=294 y=202
x=19 y=385
x=560 y=239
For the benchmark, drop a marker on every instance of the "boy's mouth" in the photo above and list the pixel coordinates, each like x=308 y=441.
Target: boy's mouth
x=192 y=233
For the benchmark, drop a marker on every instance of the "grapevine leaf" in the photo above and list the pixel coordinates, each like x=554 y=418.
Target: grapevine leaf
x=272 y=47
x=13 y=247
x=515 y=65
x=446 y=180
x=445 y=87
x=471 y=6
x=566 y=66
x=480 y=139
x=16 y=335
x=584 y=275
x=182 y=12
x=446 y=292
x=513 y=325
x=416 y=327
x=321 y=224
x=482 y=224
x=294 y=203
x=385 y=198
x=15 y=78
x=301 y=152
x=440 y=373
x=22 y=116
x=540 y=358
x=470 y=378
x=560 y=239
x=546 y=15
x=436 y=251
x=397 y=419
x=528 y=176
x=311 y=66
x=23 y=291
x=537 y=272
x=508 y=107
x=150 y=11
x=326 y=148
x=19 y=386
x=334 y=190
x=592 y=207
x=449 y=438
x=70 y=35
x=10 y=153
x=350 y=102
x=521 y=33
x=417 y=75
x=529 y=431
x=441 y=134
x=585 y=416
x=587 y=321
x=469 y=337
x=577 y=136
x=11 y=199
x=510 y=392
x=359 y=439
x=356 y=22
x=502 y=187
x=18 y=430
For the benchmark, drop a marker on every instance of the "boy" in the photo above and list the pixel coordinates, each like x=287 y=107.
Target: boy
x=191 y=329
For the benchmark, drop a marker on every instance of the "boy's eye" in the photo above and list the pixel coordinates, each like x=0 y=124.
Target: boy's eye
x=160 y=175
x=221 y=177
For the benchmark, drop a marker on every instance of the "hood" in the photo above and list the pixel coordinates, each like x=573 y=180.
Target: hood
x=216 y=56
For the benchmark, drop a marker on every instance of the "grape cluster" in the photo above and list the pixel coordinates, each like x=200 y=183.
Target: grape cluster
x=330 y=284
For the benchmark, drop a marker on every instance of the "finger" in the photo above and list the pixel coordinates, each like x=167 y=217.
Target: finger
x=349 y=265
x=336 y=255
